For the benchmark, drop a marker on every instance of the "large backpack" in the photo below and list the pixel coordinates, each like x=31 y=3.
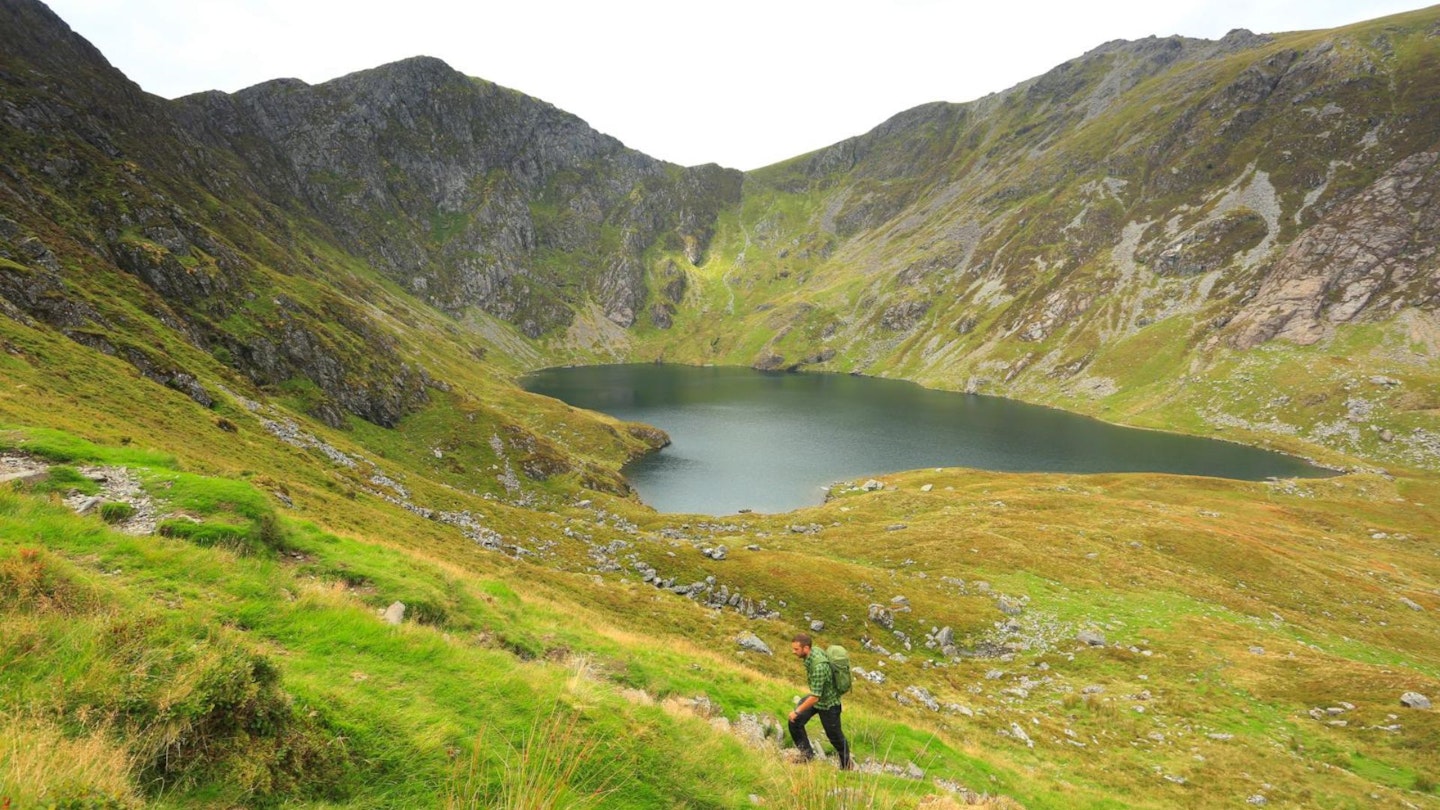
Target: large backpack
x=839 y=667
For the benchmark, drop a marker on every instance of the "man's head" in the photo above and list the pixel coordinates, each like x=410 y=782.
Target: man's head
x=800 y=645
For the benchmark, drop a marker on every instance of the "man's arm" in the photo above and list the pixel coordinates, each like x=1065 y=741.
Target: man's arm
x=810 y=700
x=818 y=676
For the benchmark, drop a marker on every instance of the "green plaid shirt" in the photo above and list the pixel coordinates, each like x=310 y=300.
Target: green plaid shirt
x=817 y=672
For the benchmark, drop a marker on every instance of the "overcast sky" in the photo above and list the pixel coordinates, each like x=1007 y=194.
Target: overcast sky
x=743 y=83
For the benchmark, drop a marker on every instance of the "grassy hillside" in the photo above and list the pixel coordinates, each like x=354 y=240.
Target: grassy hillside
x=231 y=440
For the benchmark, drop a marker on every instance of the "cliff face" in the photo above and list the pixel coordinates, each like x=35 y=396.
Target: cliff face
x=467 y=193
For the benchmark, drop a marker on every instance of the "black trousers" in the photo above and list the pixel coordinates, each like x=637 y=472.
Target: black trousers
x=830 y=721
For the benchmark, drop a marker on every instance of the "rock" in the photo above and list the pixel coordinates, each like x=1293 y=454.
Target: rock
x=1351 y=260
x=817 y=626
x=1009 y=606
x=946 y=637
x=927 y=487
x=395 y=614
x=1019 y=733
x=1093 y=689
x=1414 y=700
x=882 y=616
x=756 y=730
x=1257 y=800
x=750 y=641
x=1093 y=638
x=873 y=677
x=1257 y=650
x=872 y=485
x=922 y=696
x=895 y=527
x=1413 y=605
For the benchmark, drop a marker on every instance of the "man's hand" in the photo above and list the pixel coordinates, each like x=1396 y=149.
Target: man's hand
x=793 y=715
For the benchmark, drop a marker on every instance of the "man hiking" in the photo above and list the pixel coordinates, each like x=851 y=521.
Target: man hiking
x=824 y=700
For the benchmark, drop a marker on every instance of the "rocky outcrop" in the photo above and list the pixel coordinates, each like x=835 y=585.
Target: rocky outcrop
x=468 y=193
x=1376 y=253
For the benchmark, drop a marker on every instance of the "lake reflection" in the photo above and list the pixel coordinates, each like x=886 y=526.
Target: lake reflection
x=769 y=441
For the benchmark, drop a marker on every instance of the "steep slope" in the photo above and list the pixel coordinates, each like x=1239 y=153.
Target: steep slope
x=466 y=193
x=1119 y=235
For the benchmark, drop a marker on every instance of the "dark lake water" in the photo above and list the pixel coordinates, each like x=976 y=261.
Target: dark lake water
x=768 y=441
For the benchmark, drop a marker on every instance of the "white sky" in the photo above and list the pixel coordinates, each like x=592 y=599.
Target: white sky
x=743 y=83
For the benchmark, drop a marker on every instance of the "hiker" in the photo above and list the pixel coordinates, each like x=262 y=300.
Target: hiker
x=824 y=700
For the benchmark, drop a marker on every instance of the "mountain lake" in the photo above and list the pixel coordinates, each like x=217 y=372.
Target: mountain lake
x=773 y=441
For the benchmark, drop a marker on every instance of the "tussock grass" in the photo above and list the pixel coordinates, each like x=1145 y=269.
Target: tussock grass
x=43 y=766
x=553 y=767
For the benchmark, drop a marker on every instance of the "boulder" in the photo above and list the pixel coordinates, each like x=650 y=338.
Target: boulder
x=1091 y=637
x=750 y=641
x=395 y=614
x=1414 y=700
x=882 y=616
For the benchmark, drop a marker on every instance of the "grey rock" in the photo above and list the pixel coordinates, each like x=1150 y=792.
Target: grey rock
x=1010 y=606
x=395 y=614
x=882 y=616
x=757 y=730
x=922 y=696
x=873 y=676
x=872 y=485
x=1414 y=700
x=946 y=637
x=1091 y=637
x=817 y=626
x=753 y=643
x=1019 y=734
x=1413 y=605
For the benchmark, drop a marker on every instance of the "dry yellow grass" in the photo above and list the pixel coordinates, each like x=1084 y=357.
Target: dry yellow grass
x=40 y=765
